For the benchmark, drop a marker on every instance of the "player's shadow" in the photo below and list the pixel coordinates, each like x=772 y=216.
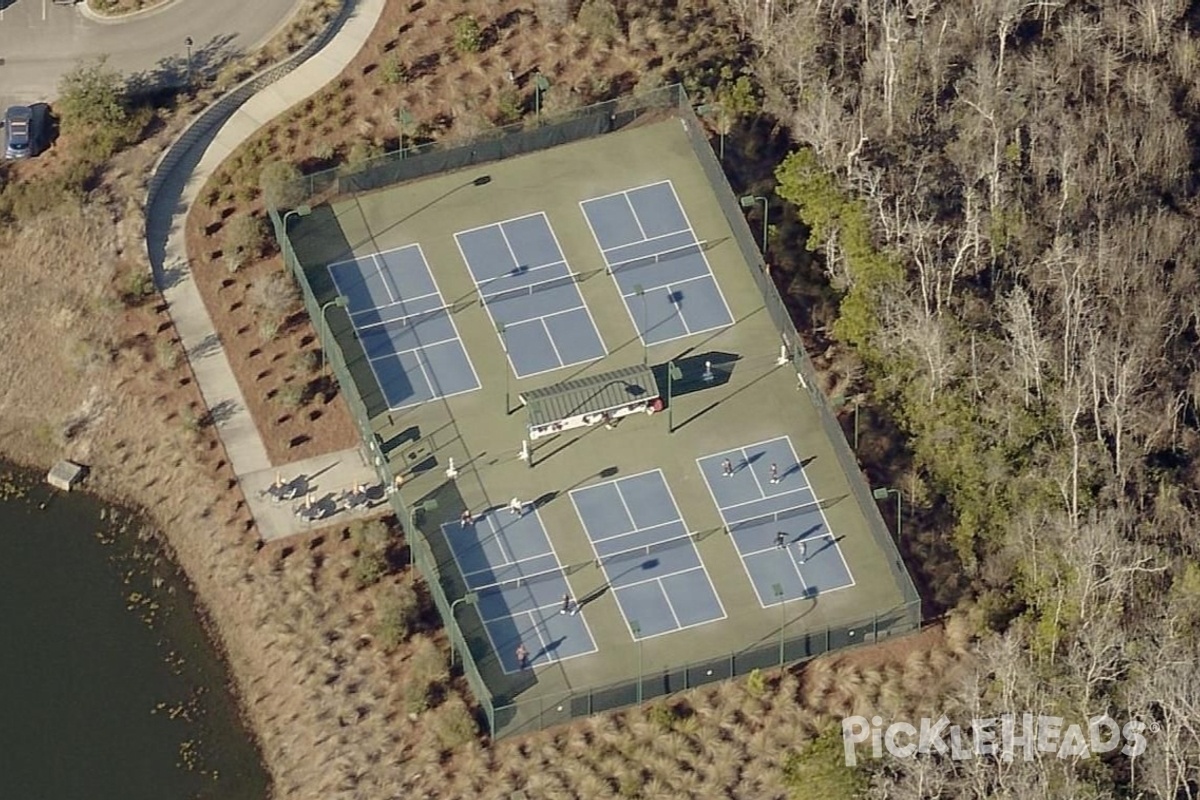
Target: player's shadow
x=550 y=649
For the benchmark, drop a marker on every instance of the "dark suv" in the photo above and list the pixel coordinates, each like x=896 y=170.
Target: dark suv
x=20 y=134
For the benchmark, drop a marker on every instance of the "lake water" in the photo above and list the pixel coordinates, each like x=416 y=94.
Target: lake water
x=109 y=687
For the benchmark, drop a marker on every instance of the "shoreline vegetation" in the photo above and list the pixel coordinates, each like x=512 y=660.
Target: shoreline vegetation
x=121 y=8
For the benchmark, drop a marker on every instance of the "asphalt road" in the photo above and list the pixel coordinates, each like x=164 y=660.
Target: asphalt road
x=40 y=41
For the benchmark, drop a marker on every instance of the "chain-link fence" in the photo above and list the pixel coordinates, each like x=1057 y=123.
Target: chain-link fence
x=506 y=716
x=526 y=716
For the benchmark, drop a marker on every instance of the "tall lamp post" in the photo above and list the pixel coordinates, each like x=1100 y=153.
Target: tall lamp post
x=326 y=334
x=640 y=291
x=500 y=329
x=674 y=373
x=424 y=505
x=782 y=598
x=883 y=494
x=748 y=202
x=298 y=211
x=470 y=598
x=636 y=630
x=540 y=85
x=188 y=44
x=707 y=110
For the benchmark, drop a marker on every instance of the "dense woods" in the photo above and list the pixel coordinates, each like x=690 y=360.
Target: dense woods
x=1002 y=195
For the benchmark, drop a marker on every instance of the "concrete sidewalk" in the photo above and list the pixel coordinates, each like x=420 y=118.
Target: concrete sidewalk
x=165 y=220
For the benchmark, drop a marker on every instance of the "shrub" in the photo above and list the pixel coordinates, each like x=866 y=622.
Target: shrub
x=509 y=107
x=368 y=567
x=398 y=612
x=280 y=184
x=369 y=535
x=139 y=285
x=274 y=295
x=553 y=13
x=305 y=362
x=599 y=18
x=166 y=353
x=93 y=102
x=468 y=36
x=820 y=768
x=453 y=725
x=290 y=396
x=245 y=237
x=393 y=71
x=268 y=329
x=360 y=154
x=756 y=683
x=324 y=151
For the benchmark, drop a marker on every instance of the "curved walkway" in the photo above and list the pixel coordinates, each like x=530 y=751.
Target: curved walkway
x=173 y=188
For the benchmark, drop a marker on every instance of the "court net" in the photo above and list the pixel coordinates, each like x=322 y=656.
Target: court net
x=531 y=289
x=534 y=580
x=772 y=518
x=638 y=555
x=421 y=316
x=667 y=255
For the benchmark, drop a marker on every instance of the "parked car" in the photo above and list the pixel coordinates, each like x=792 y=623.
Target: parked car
x=19 y=134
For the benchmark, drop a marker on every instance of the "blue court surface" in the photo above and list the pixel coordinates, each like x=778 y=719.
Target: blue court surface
x=756 y=509
x=530 y=293
x=404 y=328
x=509 y=562
x=657 y=262
x=647 y=555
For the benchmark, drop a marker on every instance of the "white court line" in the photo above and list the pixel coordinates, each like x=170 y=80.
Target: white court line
x=699 y=557
x=416 y=349
x=670 y=605
x=550 y=339
x=553 y=552
x=621 y=191
x=666 y=285
x=583 y=522
x=499 y=542
x=553 y=658
x=578 y=291
x=508 y=246
x=633 y=213
x=673 y=630
x=496 y=326
x=642 y=530
x=526 y=271
x=650 y=239
x=703 y=255
x=453 y=324
x=748 y=464
x=608 y=269
x=546 y=223
x=385 y=279
x=678 y=308
x=759 y=500
x=498 y=223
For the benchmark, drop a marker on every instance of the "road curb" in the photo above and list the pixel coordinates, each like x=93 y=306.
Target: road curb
x=85 y=10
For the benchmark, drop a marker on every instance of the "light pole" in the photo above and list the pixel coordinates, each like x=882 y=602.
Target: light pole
x=748 y=202
x=706 y=110
x=883 y=494
x=298 y=211
x=674 y=373
x=840 y=402
x=782 y=598
x=403 y=120
x=326 y=334
x=500 y=329
x=424 y=505
x=470 y=598
x=188 y=44
x=540 y=85
x=641 y=292
x=636 y=629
